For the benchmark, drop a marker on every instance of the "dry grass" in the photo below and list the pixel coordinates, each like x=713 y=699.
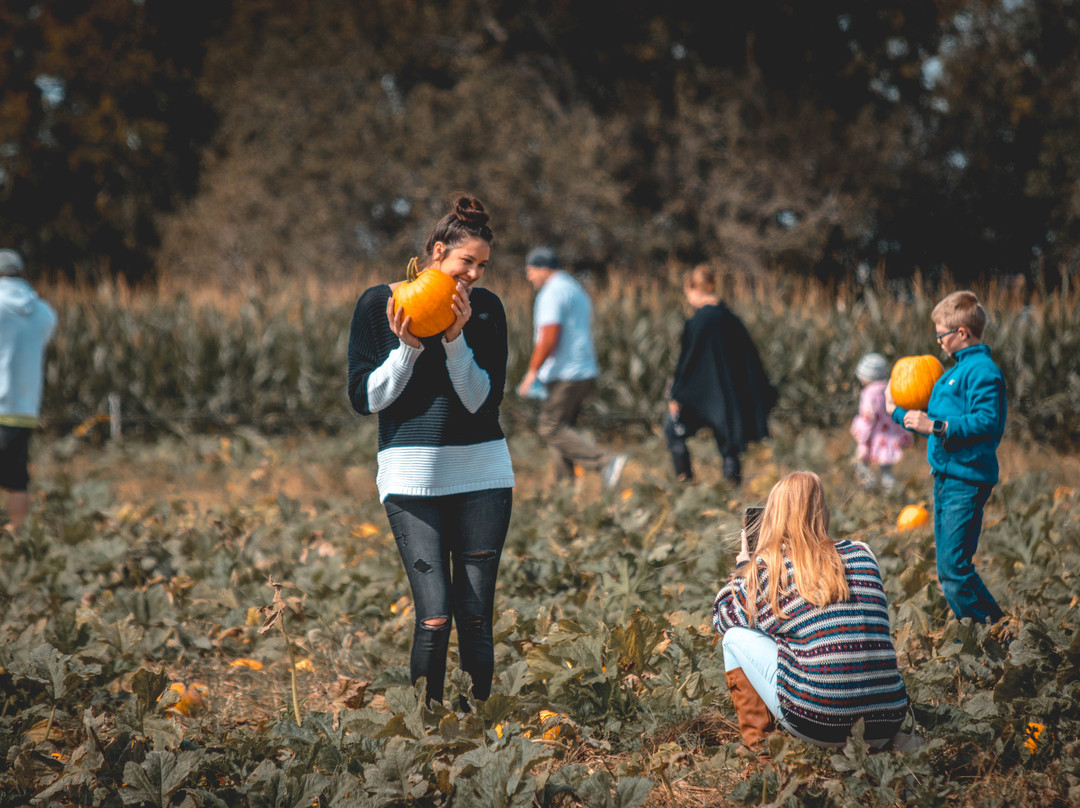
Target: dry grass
x=775 y=290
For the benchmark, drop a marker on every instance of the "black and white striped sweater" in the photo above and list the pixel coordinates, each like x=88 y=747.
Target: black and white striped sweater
x=438 y=405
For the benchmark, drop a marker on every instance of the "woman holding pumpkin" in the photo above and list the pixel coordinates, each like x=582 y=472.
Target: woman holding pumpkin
x=444 y=472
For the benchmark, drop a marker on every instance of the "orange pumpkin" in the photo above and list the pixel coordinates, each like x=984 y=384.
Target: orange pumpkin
x=912 y=380
x=427 y=297
x=192 y=697
x=912 y=516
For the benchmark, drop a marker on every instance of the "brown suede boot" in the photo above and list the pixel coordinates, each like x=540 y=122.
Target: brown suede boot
x=755 y=720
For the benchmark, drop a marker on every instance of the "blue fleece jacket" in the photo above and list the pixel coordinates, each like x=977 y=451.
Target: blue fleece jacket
x=971 y=397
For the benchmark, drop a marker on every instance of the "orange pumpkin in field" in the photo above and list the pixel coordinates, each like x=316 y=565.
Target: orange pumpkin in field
x=912 y=379
x=912 y=516
x=427 y=297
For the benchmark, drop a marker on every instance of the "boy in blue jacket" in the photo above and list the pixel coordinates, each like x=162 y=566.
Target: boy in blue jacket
x=964 y=422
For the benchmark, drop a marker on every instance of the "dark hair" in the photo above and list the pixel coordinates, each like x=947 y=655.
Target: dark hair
x=467 y=220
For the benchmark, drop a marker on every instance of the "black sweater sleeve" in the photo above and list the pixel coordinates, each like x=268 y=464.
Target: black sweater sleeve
x=486 y=335
x=370 y=342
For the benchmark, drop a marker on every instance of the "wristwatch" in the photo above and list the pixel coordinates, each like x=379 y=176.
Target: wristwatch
x=938 y=428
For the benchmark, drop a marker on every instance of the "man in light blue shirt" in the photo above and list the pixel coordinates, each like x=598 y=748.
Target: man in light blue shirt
x=563 y=366
x=26 y=324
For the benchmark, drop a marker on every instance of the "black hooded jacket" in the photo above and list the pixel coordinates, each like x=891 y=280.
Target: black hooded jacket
x=720 y=378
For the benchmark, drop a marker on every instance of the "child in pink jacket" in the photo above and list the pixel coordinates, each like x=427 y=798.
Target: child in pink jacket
x=879 y=441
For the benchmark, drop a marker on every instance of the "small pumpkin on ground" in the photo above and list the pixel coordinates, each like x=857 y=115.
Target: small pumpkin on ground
x=912 y=379
x=912 y=516
x=1033 y=731
x=428 y=298
x=192 y=697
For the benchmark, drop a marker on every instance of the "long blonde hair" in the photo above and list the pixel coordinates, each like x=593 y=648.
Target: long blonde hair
x=795 y=526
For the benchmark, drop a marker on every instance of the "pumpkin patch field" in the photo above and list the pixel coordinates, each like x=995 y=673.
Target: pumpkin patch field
x=206 y=608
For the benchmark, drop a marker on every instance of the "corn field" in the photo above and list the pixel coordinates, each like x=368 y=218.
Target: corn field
x=273 y=355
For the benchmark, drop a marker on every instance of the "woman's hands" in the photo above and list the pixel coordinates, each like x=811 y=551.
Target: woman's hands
x=400 y=323
x=744 y=548
x=462 y=312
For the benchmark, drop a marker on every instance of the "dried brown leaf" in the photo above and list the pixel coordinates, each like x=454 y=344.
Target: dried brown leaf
x=272 y=613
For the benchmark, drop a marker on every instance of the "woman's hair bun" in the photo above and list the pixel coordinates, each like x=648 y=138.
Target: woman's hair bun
x=467 y=220
x=470 y=212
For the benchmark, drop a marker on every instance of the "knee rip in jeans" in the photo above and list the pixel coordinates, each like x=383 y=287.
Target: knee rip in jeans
x=435 y=623
x=474 y=625
x=421 y=566
x=479 y=555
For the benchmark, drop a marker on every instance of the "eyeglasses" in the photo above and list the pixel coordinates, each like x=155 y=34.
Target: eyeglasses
x=940 y=337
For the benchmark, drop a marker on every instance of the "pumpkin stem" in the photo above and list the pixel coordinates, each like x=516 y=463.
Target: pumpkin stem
x=412 y=270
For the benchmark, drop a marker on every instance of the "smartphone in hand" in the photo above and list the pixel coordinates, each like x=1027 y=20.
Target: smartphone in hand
x=752 y=524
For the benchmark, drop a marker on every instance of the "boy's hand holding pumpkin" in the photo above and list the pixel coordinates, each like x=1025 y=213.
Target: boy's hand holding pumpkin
x=918 y=421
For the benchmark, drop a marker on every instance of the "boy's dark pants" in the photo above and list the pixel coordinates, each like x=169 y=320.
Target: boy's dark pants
x=958 y=514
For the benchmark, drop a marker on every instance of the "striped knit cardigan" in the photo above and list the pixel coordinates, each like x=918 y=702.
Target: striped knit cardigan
x=835 y=663
x=438 y=405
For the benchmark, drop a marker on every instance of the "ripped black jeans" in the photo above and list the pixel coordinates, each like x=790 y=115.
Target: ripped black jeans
x=451 y=547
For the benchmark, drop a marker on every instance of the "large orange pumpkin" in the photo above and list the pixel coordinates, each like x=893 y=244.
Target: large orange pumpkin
x=912 y=380
x=428 y=298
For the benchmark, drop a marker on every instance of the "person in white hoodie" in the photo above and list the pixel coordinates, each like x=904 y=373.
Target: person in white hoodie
x=26 y=325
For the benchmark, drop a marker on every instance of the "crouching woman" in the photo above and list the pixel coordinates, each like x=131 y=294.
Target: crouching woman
x=805 y=629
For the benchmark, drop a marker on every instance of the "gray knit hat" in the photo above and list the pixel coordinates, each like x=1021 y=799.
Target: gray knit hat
x=11 y=263
x=872 y=368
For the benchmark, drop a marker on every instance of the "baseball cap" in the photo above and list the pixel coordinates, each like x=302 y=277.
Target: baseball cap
x=11 y=262
x=542 y=257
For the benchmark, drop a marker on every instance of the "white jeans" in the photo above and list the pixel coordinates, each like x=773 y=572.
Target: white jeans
x=755 y=652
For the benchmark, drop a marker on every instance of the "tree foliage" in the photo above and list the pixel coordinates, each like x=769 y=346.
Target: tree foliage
x=101 y=125
x=814 y=137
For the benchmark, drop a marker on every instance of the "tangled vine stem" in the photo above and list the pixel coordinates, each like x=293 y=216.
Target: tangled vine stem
x=275 y=615
x=49 y=725
x=292 y=671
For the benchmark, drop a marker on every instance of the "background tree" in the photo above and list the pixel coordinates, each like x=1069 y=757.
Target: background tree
x=814 y=137
x=992 y=185
x=101 y=127
x=627 y=135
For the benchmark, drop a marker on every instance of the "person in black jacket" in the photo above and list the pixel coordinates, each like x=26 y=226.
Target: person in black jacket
x=719 y=383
